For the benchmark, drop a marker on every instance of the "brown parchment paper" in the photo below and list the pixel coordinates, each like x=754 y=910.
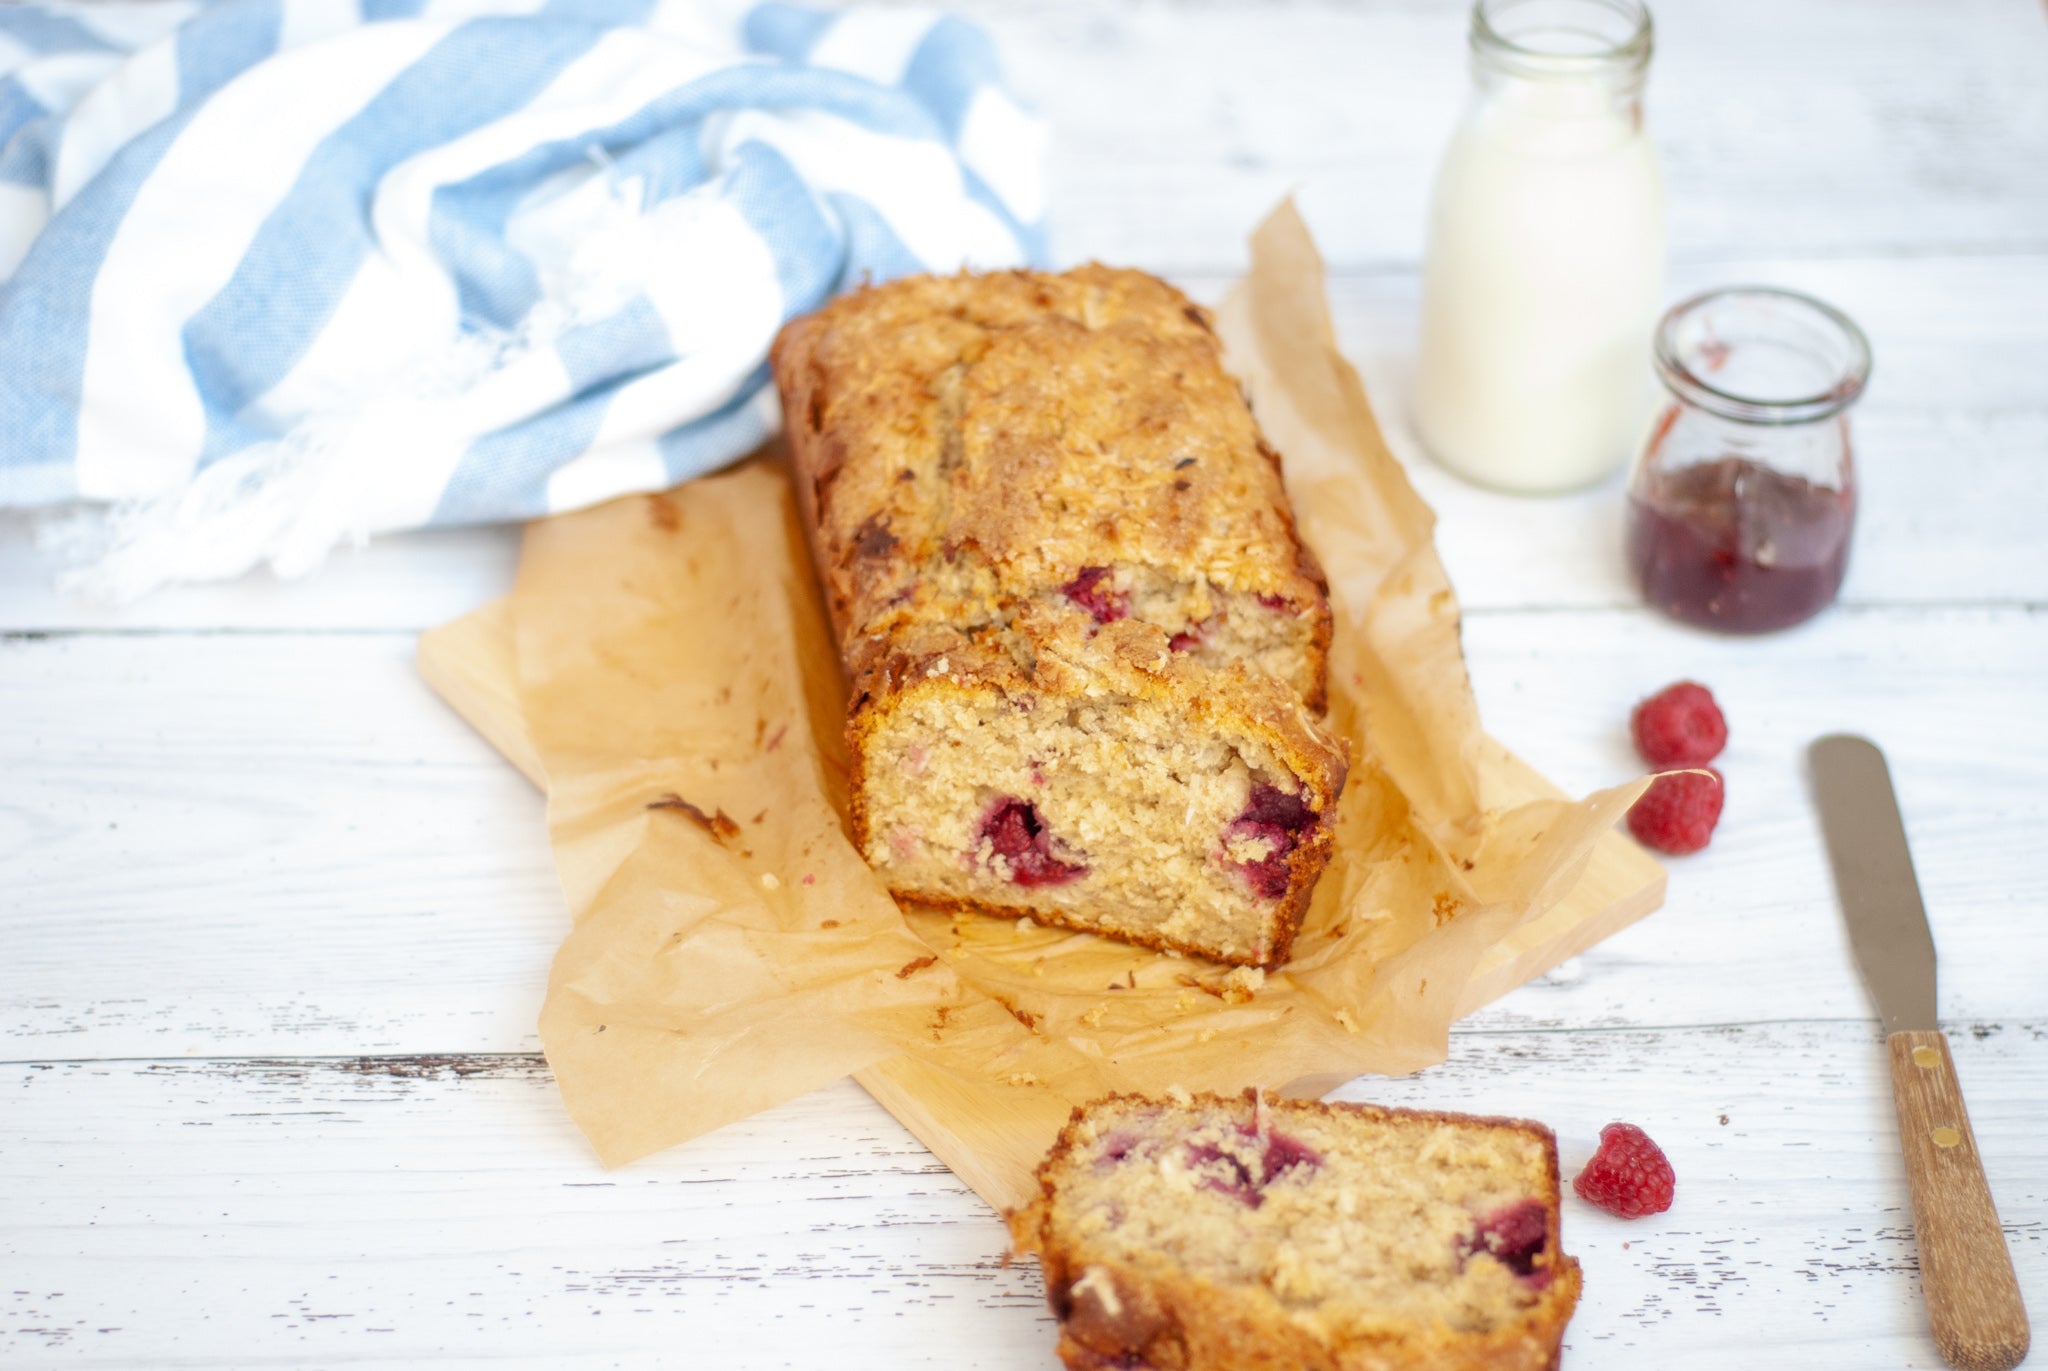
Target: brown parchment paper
x=730 y=950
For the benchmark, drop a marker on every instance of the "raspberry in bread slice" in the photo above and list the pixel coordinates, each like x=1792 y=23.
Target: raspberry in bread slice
x=1205 y=1234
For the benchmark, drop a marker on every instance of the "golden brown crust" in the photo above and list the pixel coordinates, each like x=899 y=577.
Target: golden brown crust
x=1145 y=1321
x=968 y=442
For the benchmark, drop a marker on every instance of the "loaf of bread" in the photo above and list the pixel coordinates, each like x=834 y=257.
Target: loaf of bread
x=1086 y=649
x=1204 y=1234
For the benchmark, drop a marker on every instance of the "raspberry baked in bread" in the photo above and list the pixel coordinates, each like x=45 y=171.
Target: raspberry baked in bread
x=1087 y=650
x=1203 y=1234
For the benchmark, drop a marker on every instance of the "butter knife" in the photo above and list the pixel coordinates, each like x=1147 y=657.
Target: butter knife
x=1966 y=1274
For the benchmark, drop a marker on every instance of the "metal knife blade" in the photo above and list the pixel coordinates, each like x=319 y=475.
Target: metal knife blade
x=1874 y=879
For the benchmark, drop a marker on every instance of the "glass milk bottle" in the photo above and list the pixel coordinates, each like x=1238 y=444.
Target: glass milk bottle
x=1546 y=251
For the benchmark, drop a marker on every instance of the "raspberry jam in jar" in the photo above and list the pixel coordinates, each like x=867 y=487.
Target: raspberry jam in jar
x=1742 y=503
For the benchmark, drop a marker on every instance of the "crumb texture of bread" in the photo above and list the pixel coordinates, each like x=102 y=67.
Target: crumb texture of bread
x=1087 y=649
x=1205 y=1234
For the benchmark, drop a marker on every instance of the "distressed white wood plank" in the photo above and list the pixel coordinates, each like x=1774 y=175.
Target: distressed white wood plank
x=293 y=1213
x=270 y=845
x=1947 y=441
x=1806 y=129
x=234 y=843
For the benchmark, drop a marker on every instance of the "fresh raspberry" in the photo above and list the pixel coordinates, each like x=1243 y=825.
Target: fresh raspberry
x=1629 y=1175
x=1678 y=812
x=1679 y=726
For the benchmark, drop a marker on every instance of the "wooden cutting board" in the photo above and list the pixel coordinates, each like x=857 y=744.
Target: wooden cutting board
x=992 y=1139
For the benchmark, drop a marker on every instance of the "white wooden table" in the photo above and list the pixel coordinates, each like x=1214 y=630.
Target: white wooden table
x=275 y=923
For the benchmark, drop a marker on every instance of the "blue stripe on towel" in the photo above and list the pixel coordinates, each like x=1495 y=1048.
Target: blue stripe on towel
x=223 y=42
x=42 y=30
x=504 y=475
x=732 y=430
x=24 y=141
x=806 y=245
x=951 y=66
x=628 y=343
x=377 y=11
x=251 y=334
x=49 y=299
x=873 y=251
x=784 y=31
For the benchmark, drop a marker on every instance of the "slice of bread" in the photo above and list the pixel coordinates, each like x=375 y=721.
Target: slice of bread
x=1256 y=1234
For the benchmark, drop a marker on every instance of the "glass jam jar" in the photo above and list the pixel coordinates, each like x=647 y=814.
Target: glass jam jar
x=1742 y=502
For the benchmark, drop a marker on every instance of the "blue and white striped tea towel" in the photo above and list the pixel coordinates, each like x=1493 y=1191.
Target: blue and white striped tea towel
x=280 y=274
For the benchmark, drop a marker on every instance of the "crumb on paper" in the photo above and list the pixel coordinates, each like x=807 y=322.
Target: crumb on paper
x=718 y=824
x=1179 y=1095
x=911 y=968
x=770 y=881
x=1093 y=1018
x=809 y=879
x=1343 y=1016
x=828 y=923
x=1021 y=1078
x=1241 y=984
x=1023 y=927
x=1205 y=1035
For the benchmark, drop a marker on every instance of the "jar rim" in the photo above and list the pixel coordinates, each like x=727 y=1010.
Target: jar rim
x=1853 y=372
x=1491 y=38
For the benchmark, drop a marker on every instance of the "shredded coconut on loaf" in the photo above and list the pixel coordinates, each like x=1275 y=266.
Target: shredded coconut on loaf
x=1204 y=1234
x=1087 y=649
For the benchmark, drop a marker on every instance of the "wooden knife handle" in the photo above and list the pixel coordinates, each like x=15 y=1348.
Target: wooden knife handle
x=1973 y=1297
